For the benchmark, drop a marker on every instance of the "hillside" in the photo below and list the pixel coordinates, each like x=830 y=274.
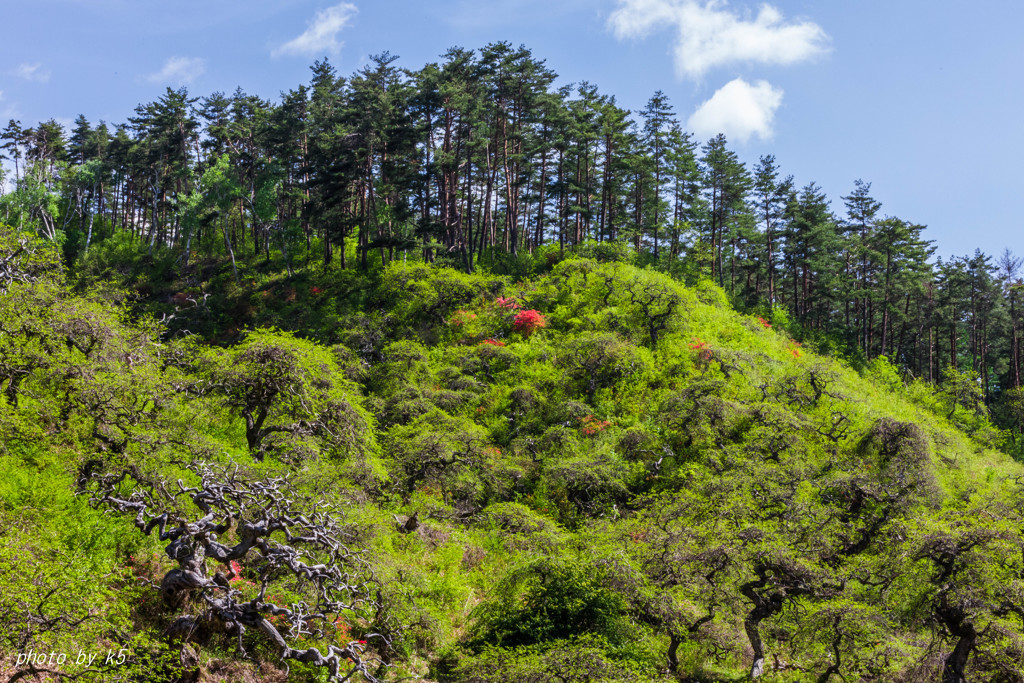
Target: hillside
x=480 y=161
x=585 y=472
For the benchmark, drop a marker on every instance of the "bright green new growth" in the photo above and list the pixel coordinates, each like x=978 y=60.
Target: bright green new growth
x=649 y=486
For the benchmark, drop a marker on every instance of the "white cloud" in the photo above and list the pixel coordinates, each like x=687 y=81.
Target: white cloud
x=739 y=110
x=32 y=72
x=321 y=36
x=179 y=71
x=709 y=34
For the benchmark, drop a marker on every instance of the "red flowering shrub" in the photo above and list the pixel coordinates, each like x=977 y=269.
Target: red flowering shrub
x=794 y=348
x=764 y=323
x=342 y=629
x=508 y=303
x=493 y=342
x=528 y=322
x=592 y=425
x=702 y=348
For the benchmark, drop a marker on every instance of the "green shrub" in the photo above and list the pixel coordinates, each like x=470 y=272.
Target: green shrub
x=547 y=600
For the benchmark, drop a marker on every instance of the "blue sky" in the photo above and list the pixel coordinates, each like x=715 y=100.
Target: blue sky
x=922 y=99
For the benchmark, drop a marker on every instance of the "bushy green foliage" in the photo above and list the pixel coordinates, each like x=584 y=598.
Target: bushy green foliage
x=66 y=586
x=648 y=487
x=549 y=600
x=281 y=385
x=423 y=299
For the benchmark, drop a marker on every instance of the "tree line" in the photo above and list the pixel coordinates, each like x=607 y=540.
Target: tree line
x=479 y=159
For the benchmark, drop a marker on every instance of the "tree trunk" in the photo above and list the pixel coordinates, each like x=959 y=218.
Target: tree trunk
x=953 y=671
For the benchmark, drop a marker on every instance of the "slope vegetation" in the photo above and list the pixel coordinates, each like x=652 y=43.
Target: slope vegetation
x=594 y=473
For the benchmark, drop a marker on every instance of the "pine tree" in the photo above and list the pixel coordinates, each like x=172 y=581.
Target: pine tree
x=383 y=144
x=657 y=129
x=861 y=210
x=771 y=196
x=903 y=270
x=166 y=133
x=14 y=139
x=812 y=248
x=726 y=184
x=687 y=204
x=330 y=167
